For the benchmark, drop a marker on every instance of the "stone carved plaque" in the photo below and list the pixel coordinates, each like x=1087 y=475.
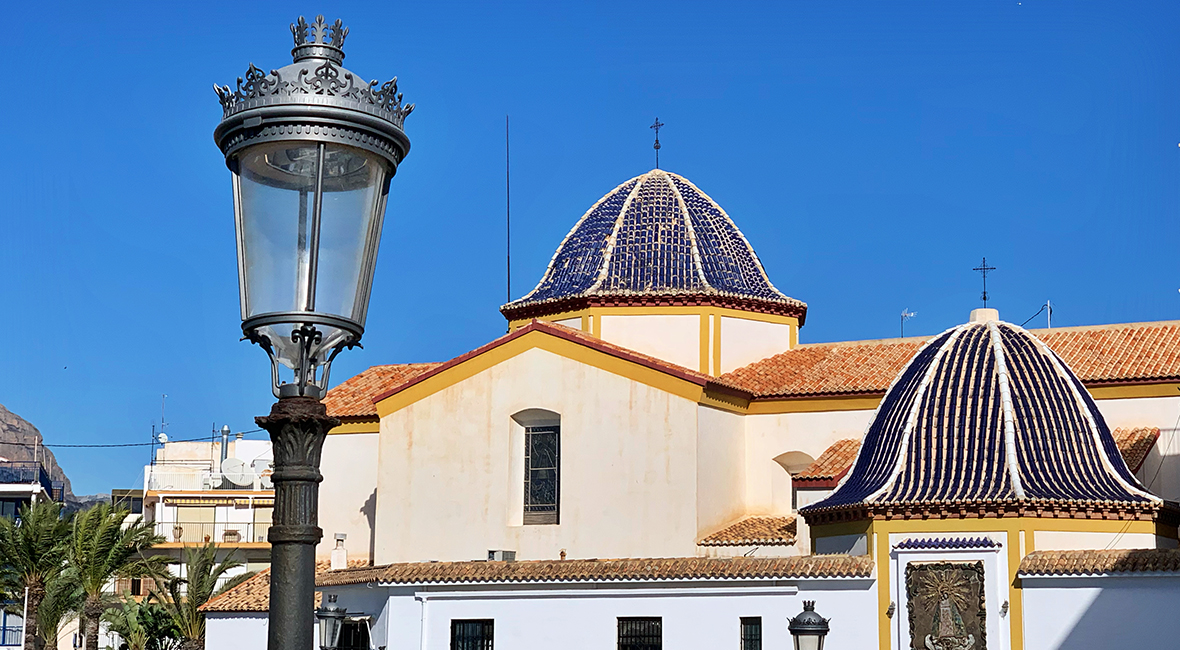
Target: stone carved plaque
x=946 y=605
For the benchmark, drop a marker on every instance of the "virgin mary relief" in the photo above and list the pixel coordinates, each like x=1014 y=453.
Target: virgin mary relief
x=946 y=605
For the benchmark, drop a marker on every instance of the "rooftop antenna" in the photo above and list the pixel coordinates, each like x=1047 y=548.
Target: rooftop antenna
x=906 y=314
x=983 y=268
x=656 y=125
x=1049 y=307
x=163 y=420
x=507 y=210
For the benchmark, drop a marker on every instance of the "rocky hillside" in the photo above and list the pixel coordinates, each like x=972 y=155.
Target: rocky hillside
x=15 y=429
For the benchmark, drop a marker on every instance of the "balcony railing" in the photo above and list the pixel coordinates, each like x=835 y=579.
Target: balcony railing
x=26 y=471
x=179 y=479
x=10 y=636
x=219 y=532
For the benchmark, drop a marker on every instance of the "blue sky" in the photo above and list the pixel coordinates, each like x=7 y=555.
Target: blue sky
x=872 y=152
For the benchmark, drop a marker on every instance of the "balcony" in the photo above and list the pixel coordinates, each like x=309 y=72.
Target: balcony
x=219 y=532
x=28 y=472
x=10 y=636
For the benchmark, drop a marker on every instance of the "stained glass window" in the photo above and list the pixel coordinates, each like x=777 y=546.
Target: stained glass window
x=541 y=474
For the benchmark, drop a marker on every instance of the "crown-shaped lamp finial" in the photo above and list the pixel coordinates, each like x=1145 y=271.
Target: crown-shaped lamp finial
x=318 y=39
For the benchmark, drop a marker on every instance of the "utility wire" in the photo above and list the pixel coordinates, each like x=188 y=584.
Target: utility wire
x=1033 y=316
x=127 y=444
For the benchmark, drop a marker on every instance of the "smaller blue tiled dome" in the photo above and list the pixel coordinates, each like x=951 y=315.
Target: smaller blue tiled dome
x=985 y=414
x=654 y=239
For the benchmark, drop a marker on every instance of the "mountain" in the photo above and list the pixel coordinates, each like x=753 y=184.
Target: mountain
x=19 y=440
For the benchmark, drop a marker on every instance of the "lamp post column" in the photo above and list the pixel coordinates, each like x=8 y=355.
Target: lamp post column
x=297 y=427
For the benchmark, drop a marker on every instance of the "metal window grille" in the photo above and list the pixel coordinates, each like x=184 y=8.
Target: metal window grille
x=542 y=449
x=641 y=633
x=472 y=635
x=354 y=635
x=751 y=633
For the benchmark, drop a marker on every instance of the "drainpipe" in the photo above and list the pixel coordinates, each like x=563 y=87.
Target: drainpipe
x=24 y=622
x=224 y=452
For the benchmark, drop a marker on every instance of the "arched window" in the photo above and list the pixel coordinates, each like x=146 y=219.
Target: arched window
x=542 y=465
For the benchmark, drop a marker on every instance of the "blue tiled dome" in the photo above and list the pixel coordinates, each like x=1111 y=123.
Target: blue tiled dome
x=655 y=238
x=986 y=413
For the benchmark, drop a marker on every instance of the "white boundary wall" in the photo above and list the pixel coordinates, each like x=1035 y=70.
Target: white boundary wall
x=1100 y=613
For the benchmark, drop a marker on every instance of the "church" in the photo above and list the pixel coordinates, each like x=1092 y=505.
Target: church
x=650 y=458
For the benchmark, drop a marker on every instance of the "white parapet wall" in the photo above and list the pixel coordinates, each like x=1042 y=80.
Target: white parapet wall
x=1101 y=613
x=235 y=631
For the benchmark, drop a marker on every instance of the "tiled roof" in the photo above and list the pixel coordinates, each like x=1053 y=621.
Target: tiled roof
x=1099 y=354
x=581 y=338
x=986 y=411
x=1135 y=444
x=253 y=595
x=831 y=465
x=941 y=543
x=654 y=235
x=692 y=568
x=755 y=531
x=354 y=397
x=1100 y=562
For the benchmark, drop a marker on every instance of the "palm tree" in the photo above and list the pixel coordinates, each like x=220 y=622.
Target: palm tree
x=62 y=601
x=185 y=595
x=104 y=547
x=33 y=552
x=125 y=622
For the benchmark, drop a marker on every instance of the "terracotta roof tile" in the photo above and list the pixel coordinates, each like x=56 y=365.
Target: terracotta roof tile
x=692 y=568
x=1098 y=354
x=1100 y=562
x=354 y=397
x=755 y=531
x=1135 y=444
x=833 y=464
x=253 y=595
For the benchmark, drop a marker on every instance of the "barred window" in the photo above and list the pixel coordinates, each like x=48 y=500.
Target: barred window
x=643 y=633
x=751 y=633
x=542 y=449
x=472 y=634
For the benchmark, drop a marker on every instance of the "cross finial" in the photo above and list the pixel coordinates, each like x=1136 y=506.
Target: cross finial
x=983 y=268
x=656 y=125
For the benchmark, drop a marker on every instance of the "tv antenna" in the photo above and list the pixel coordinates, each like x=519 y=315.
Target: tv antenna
x=906 y=314
x=983 y=269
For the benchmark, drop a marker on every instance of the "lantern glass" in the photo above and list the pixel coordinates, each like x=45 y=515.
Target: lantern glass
x=809 y=642
x=309 y=222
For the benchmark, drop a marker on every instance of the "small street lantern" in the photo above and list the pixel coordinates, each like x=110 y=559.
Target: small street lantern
x=312 y=149
x=808 y=629
x=331 y=622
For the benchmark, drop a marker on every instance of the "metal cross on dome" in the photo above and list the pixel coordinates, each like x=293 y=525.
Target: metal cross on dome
x=983 y=268
x=656 y=125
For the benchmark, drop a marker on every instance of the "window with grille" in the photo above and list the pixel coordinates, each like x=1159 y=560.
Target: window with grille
x=354 y=635
x=751 y=633
x=136 y=587
x=471 y=635
x=542 y=448
x=641 y=633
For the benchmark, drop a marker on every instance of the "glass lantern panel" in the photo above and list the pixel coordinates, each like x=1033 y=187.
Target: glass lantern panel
x=277 y=183
x=354 y=184
x=809 y=642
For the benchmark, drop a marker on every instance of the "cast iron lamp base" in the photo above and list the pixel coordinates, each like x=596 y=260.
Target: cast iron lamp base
x=297 y=427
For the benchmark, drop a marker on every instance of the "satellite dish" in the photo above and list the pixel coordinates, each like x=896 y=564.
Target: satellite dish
x=236 y=471
x=162 y=438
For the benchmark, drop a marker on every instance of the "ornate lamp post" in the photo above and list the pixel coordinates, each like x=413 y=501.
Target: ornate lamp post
x=331 y=618
x=808 y=629
x=312 y=149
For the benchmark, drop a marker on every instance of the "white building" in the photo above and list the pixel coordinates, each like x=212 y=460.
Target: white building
x=652 y=403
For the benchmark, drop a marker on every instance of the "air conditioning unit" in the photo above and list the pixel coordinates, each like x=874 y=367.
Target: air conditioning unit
x=501 y=556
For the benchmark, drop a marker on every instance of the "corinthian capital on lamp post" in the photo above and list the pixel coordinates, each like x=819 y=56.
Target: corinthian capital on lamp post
x=312 y=149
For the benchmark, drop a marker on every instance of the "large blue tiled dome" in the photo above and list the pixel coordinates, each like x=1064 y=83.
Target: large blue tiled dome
x=985 y=414
x=655 y=239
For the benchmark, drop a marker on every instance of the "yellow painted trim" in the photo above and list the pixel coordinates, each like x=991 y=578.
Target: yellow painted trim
x=704 y=339
x=585 y=322
x=1136 y=390
x=540 y=340
x=884 y=590
x=243 y=545
x=365 y=426
x=716 y=344
x=596 y=325
x=816 y=405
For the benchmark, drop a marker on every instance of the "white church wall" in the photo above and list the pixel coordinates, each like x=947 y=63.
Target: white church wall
x=745 y=341
x=1161 y=470
x=348 y=495
x=721 y=464
x=628 y=467
x=674 y=338
x=235 y=631
x=1098 y=613
x=1056 y=540
x=574 y=617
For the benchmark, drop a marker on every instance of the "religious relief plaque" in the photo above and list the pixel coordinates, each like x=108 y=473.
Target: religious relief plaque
x=946 y=605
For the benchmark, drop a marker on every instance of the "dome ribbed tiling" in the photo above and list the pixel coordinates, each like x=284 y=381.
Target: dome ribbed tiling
x=985 y=413
x=656 y=235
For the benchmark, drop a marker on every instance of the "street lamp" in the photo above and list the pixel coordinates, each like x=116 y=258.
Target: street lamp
x=808 y=629
x=331 y=623
x=312 y=149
